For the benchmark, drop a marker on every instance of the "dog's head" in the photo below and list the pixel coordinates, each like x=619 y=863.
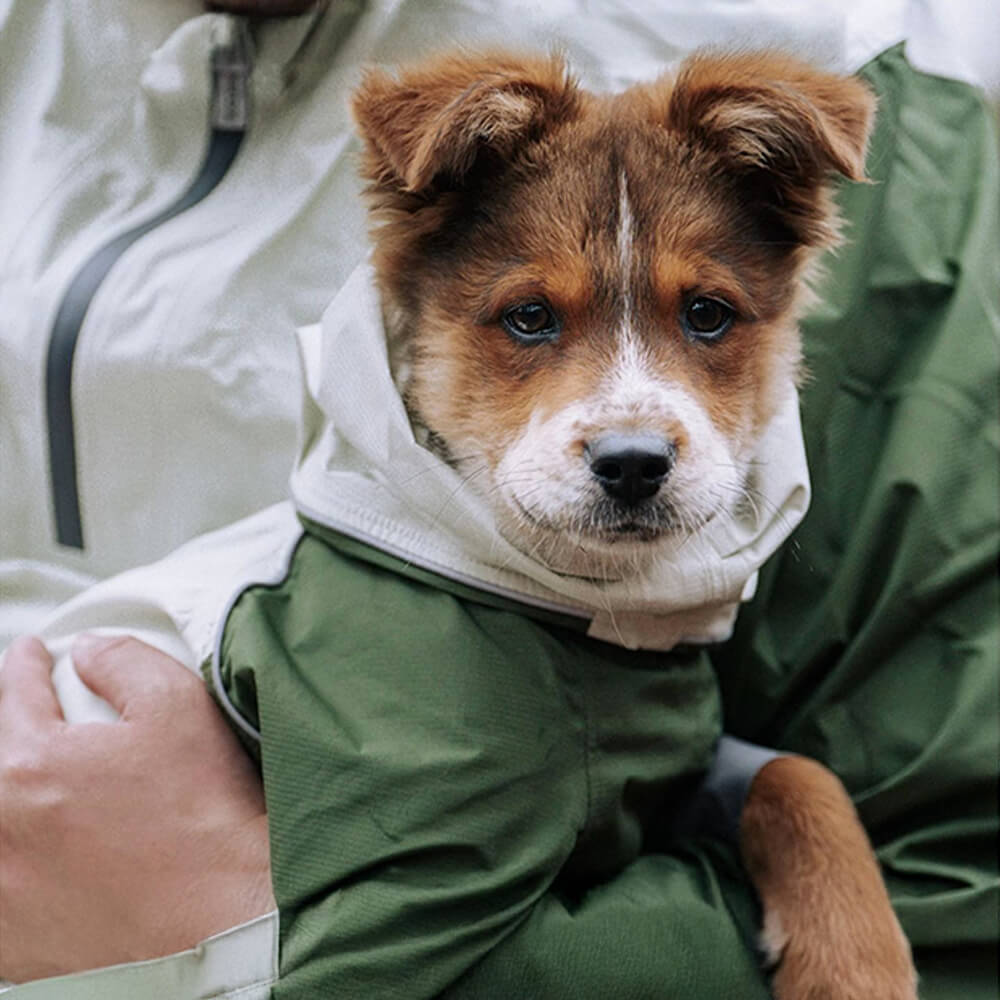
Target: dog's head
x=593 y=300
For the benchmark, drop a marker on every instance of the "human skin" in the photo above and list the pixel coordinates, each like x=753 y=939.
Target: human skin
x=127 y=840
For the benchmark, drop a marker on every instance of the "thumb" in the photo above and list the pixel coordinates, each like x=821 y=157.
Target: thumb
x=128 y=673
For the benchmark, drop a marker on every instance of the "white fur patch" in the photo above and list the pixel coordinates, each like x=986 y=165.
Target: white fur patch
x=626 y=244
x=773 y=938
x=545 y=477
x=631 y=346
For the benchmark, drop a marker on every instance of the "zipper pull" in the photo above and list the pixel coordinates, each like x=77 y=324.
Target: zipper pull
x=232 y=65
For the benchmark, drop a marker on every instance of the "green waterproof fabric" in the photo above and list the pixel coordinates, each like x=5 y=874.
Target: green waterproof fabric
x=872 y=644
x=434 y=765
x=873 y=641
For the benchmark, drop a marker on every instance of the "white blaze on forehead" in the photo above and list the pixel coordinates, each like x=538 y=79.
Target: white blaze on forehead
x=633 y=360
x=626 y=246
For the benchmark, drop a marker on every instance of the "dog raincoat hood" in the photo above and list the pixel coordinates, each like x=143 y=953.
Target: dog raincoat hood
x=362 y=472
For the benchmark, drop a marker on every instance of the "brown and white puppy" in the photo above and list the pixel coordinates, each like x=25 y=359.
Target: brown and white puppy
x=592 y=304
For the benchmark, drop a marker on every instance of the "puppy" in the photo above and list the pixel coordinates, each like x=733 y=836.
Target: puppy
x=592 y=304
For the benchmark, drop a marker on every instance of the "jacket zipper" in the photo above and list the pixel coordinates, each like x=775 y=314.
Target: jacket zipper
x=229 y=117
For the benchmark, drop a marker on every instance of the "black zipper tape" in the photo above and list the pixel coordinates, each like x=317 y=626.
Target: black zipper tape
x=230 y=64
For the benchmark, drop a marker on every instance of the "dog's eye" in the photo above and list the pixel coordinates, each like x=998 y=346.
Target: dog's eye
x=531 y=322
x=707 y=319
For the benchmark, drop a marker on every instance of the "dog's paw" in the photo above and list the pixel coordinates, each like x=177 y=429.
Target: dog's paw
x=838 y=957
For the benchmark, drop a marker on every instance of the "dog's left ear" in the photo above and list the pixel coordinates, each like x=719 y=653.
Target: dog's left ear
x=434 y=122
x=779 y=125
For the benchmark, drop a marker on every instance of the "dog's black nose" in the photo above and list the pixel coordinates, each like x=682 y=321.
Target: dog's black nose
x=630 y=467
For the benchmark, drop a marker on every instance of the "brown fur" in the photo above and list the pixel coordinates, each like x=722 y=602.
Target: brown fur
x=828 y=921
x=515 y=163
x=495 y=180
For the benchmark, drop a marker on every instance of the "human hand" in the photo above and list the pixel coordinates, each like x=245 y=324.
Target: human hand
x=121 y=841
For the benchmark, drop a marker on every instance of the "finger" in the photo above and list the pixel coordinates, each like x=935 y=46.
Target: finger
x=126 y=672
x=26 y=691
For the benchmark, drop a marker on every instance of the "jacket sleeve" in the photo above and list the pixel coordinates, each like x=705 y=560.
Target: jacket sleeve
x=177 y=604
x=239 y=964
x=718 y=802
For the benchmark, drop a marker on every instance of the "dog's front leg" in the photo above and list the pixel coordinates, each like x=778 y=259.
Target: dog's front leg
x=828 y=925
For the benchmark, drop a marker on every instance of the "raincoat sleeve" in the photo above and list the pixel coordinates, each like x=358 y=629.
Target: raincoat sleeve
x=175 y=605
x=718 y=802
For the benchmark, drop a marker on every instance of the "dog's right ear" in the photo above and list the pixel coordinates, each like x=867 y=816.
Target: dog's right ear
x=433 y=123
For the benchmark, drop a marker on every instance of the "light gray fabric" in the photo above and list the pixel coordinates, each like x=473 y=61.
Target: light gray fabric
x=716 y=807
